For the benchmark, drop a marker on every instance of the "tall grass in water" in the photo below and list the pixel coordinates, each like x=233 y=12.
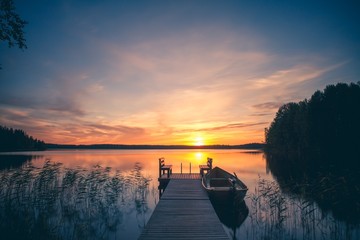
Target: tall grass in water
x=275 y=215
x=53 y=202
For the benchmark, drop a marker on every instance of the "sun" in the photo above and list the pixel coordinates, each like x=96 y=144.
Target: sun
x=199 y=141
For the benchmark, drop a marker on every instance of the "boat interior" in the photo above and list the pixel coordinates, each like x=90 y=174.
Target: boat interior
x=220 y=182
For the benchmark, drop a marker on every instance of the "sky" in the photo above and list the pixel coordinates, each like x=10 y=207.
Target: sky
x=171 y=72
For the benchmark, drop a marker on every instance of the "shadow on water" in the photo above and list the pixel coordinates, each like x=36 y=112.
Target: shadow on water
x=15 y=161
x=53 y=202
x=276 y=215
x=336 y=190
x=317 y=203
x=253 y=152
x=232 y=215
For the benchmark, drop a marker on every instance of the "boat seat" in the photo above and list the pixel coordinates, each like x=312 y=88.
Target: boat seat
x=220 y=182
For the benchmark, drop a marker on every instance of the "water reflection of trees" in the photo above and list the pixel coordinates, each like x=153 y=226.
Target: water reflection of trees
x=335 y=190
x=275 y=215
x=313 y=151
x=14 y=161
x=54 y=202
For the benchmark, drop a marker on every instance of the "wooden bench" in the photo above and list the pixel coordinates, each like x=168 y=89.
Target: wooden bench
x=164 y=168
x=206 y=167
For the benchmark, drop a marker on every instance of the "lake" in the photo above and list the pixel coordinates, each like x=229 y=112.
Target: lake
x=111 y=194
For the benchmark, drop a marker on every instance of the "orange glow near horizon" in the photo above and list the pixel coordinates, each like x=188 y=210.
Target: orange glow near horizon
x=82 y=135
x=199 y=141
x=196 y=139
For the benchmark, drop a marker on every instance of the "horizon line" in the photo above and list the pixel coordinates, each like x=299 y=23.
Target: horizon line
x=156 y=146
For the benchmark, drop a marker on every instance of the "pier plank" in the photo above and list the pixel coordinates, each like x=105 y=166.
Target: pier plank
x=185 y=189
x=184 y=212
x=181 y=176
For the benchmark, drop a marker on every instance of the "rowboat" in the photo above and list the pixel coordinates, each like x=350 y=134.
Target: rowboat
x=223 y=186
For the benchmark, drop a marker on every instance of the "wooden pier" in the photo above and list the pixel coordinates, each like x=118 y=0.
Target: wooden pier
x=184 y=211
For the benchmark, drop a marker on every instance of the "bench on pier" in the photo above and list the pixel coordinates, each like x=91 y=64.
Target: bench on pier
x=163 y=169
x=206 y=167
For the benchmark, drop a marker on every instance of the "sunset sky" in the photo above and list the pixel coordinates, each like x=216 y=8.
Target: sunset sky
x=171 y=72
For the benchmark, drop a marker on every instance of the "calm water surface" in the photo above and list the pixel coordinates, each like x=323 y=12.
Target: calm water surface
x=111 y=194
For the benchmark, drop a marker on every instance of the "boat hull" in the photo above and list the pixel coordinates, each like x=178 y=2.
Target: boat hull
x=223 y=186
x=227 y=196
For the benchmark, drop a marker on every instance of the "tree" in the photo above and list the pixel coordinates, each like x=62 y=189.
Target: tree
x=18 y=140
x=323 y=130
x=11 y=25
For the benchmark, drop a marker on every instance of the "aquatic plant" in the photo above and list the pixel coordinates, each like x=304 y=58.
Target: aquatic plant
x=277 y=215
x=53 y=202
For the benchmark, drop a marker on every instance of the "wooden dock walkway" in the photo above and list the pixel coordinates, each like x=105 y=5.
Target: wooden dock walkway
x=181 y=176
x=184 y=212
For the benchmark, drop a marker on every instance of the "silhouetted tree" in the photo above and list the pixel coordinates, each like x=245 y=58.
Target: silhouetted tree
x=11 y=25
x=313 y=149
x=324 y=129
x=18 y=140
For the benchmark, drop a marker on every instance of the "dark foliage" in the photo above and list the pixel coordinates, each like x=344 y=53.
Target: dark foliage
x=323 y=130
x=11 y=25
x=313 y=149
x=18 y=140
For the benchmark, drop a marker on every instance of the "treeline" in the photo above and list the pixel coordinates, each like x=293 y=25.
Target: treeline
x=18 y=140
x=324 y=130
x=255 y=146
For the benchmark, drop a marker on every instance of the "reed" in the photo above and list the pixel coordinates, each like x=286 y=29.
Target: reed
x=276 y=215
x=53 y=202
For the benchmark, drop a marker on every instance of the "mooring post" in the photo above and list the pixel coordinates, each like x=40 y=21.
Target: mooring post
x=159 y=167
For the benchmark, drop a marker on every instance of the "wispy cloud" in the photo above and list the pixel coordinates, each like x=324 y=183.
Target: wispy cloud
x=231 y=126
x=268 y=105
x=56 y=104
x=68 y=130
x=283 y=79
x=164 y=89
